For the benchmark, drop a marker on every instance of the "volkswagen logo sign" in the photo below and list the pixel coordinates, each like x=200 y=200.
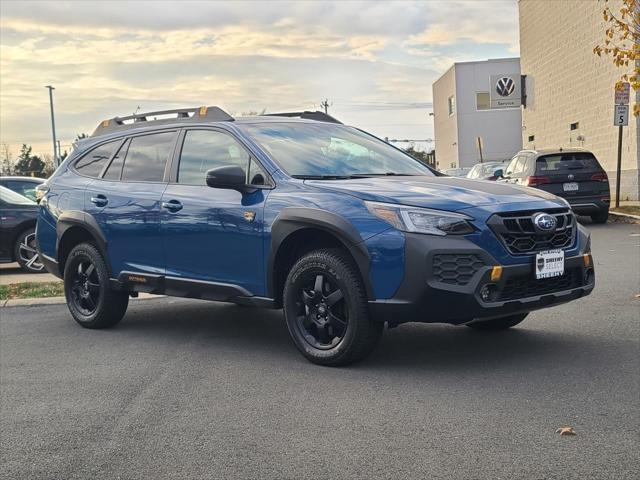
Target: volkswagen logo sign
x=505 y=86
x=543 y=222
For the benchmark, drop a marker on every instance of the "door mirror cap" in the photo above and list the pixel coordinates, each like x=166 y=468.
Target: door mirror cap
x=499 y=173
x=228 y=176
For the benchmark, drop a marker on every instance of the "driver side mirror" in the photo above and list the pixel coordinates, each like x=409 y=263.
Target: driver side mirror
x=499 y=173
x=231 y=177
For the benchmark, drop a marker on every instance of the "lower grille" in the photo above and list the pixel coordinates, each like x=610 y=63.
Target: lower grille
x=527 y=286
x=456 y=269
x=519 y=235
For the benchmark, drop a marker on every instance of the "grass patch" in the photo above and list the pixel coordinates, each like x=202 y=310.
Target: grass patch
x=31 y=290
x=630 y=209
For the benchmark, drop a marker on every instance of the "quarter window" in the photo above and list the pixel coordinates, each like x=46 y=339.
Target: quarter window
x=203 y=150
x=93 y=162
x=147 y=157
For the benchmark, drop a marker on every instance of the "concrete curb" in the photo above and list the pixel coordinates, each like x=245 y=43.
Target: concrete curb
x=35 y=302
x=627 y=217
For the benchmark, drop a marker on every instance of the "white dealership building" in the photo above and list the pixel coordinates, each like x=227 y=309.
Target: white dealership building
x=477 y=113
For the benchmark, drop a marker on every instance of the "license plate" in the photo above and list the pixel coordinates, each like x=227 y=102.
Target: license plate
x=570 y=187
x=549 y=263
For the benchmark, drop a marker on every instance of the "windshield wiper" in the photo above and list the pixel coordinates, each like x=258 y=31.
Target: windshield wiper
x=323 y=177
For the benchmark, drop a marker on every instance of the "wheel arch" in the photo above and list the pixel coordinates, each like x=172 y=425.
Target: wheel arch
x=297 y=231
x=75 y=227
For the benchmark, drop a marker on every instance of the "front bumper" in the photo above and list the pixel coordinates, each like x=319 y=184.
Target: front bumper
x=424 y=297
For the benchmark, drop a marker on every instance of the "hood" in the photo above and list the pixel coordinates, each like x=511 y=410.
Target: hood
x=443 y=193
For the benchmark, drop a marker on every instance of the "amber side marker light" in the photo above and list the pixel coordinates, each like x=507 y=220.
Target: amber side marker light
x=496 y=273
x=587 y=259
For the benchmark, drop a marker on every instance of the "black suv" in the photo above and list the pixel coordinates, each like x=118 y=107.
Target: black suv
x=574 y=175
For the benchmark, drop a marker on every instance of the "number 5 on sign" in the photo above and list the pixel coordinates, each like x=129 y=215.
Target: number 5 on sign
x=621 y=115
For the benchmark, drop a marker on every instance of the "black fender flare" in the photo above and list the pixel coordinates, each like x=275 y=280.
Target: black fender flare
x=77 y=218
x=292 y=219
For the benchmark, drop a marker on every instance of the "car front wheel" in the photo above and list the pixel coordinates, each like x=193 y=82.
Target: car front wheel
x=91 y=301
x=326 y=309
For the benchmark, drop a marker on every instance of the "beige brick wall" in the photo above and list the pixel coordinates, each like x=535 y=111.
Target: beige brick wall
x=567 y=83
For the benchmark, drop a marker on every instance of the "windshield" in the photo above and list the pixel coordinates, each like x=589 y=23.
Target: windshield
x=9 y=196
x=323 y=151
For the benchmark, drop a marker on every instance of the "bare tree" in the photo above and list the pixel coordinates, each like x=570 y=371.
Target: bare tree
x=6 y=159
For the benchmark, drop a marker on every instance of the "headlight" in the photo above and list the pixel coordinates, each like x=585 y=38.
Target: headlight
x=421 y=220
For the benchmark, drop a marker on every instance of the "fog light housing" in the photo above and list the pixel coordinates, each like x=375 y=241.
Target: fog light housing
x=589 y=276
x=486 y=292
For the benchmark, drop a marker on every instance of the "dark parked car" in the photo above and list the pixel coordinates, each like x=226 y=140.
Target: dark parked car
x=18 y=217
x=341 y=230
x=574 y=175
x=486 y=170
x=25 y=186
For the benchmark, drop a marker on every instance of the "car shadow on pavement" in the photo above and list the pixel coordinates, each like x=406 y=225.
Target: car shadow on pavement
x=423 y=346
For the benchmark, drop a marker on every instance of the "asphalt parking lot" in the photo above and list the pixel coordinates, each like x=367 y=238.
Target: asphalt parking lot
x=190 y=389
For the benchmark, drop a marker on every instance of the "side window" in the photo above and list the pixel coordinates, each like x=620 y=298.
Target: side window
x=92 y=163
x=115 y=169
x=512 y=166
x=203 y=150
x=147 y=157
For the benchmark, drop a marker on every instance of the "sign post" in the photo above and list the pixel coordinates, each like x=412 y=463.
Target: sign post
x=621 y=119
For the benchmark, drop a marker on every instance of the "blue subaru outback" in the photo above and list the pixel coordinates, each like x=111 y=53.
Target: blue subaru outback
x=298 y=211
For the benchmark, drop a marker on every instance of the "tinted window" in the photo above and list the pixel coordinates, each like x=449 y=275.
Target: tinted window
x=11 y=197
x=27 y=189
x=93 y=162
x=203 y=150
x=147 y=157
x=115 y=169
x=564 y=162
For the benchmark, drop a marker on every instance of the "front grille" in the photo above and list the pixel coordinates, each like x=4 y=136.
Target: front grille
x=518 y=234
x=456 y=268
x=528 y=286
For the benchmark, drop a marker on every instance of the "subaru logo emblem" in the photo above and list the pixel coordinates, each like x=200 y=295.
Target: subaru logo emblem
x=505 y=86
x=544 y=222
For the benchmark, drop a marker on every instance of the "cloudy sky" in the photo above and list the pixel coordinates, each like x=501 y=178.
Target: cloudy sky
x=374 y=61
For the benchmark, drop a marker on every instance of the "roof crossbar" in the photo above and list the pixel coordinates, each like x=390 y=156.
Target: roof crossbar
x=196 y=114
x=317 y=115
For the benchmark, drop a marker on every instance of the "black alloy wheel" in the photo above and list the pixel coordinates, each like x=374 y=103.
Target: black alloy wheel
x=85 y=289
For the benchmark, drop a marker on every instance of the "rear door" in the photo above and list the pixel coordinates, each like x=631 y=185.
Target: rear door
x=572 y=175
x=125 y=202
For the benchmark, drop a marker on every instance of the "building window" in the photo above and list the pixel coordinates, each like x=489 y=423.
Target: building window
x=532 y=138
x=483 y=101
x=451 y=101
x=574 y=126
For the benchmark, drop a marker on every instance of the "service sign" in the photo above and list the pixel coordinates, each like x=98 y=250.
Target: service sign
x=623 y=90
x=505 y=90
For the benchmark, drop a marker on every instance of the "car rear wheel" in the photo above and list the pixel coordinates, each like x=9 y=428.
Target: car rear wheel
x=25 y=252
x=91 y=301
x=600 y=217
x=496 y=324
x=326 y=309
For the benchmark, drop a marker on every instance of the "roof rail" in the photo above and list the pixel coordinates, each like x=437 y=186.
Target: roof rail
x=196 y=114
x=318 y=116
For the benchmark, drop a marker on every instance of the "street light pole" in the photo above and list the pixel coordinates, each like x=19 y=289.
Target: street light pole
x=53 y=126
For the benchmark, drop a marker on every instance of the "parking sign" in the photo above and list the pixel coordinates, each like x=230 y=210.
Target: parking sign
x=622 y=93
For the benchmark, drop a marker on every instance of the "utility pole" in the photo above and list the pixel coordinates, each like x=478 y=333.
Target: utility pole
x=325 y=105
x=53 y=126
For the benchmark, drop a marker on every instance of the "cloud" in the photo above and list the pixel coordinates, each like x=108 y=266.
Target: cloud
x=375 y=60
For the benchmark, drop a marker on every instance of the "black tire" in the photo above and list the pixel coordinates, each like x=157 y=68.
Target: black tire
x=24 y=251
x=330 y=325
x=496 y=324
x=600 y=217
x=91 y=301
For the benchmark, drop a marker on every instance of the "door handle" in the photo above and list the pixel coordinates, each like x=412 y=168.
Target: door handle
x=99 y=200
x=172 y=205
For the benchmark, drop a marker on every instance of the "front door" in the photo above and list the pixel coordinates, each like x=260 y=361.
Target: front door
x=213 y=234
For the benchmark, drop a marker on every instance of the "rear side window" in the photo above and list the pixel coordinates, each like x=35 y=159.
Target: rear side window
x=565 y=162
x=203 y=150
x=92 y=163
x=147 y=157
x=115 y=169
